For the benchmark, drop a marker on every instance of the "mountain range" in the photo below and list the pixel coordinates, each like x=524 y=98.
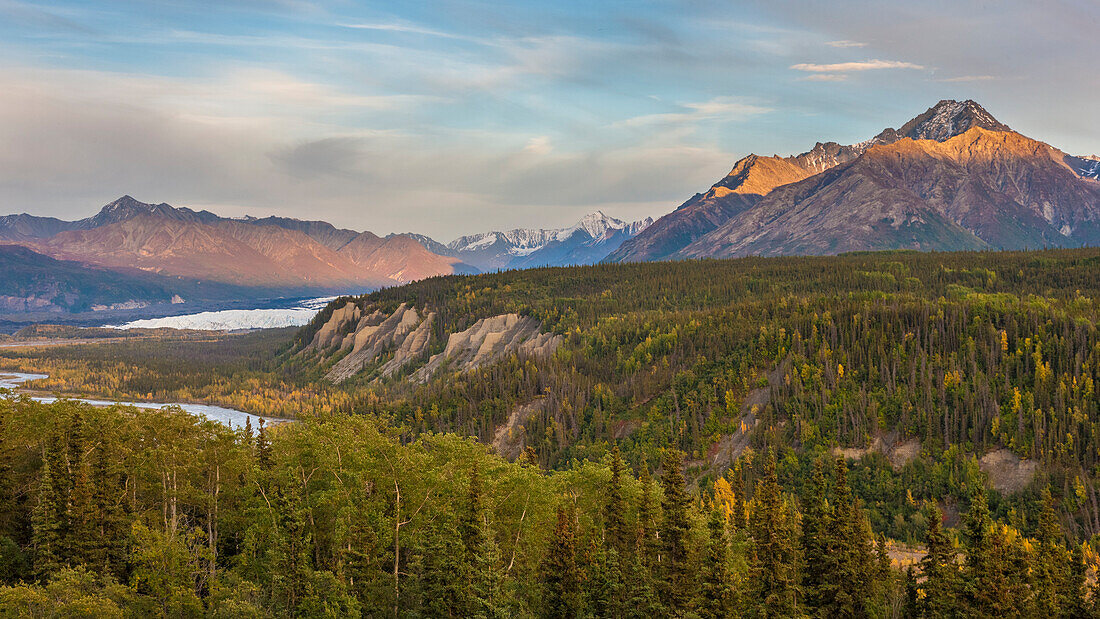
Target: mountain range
x=589 y=241
x=160 y=252
x=952 y=178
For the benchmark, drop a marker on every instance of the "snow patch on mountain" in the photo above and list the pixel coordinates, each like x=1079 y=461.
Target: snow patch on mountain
x=581 y=243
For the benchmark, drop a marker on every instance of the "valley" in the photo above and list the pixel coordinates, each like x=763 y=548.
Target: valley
x=877 y=360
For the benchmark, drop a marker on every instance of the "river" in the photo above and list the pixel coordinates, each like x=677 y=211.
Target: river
x=228 y=416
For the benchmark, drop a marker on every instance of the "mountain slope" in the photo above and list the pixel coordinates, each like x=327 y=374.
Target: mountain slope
x=321 y=231
x=23 y=227
x=272 y=252
x=32 y=282
x=399 y=258
x=226 y=251
x=757 y=176
x=983 y=188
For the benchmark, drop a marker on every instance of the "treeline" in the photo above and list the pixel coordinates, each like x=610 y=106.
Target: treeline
x=124 y=512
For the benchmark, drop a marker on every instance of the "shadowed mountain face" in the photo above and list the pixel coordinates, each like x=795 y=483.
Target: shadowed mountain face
x=273 y=253
x=33 y=283
x=952 y=178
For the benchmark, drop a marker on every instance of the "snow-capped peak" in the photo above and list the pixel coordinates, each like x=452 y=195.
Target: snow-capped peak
x=949 y=118
x=525 y=241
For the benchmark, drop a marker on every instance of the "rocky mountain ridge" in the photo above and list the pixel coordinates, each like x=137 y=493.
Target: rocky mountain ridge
x=753 y=209
x=272 y=252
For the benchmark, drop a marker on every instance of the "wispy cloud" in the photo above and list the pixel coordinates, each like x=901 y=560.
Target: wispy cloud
x=720 y=108
x=970 y=78
x=404 y=28
x=825 y=77
x=845 y=67
x=843 y=44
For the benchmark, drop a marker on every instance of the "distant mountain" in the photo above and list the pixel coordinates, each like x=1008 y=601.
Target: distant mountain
x=275 y=253
x=429 y=243
x=321 y=231
x=953 y=177
x=587 y=242
x=399 y=257
x=32 y=283
x=1087 y=166
x=23 y=227
x=127 y=208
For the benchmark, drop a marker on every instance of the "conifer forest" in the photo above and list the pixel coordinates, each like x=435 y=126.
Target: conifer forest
x=886 y=434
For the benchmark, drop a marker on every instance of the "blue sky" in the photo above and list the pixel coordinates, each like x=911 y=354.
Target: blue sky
x=455 y=117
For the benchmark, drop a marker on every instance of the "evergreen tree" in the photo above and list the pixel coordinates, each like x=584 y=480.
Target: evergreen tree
x=773 y=587
x=440 y=592
x=739 y=517
x=263 y=447
x=477 y=556
x=675 y=528
x=561 y=577
x=1051 y=562
x=615 y=506
x=939 y=570
x=111 y=516
x=606 y=589
x=979 y=587
x=1076 y=605
x=846 y=562
x=718 y=593
x=45 y=522
x=647 y=521
x=816 y=547
x=86 y=543
x=912 y=595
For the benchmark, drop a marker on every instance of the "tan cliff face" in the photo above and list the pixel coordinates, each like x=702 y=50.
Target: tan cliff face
x=383 y=344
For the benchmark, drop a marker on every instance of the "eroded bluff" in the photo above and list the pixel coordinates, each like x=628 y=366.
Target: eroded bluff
x=386 y=344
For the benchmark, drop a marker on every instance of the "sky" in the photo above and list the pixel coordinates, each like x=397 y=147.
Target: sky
x=455 y=117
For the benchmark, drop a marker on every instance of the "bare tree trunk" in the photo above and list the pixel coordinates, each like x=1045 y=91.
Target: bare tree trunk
x=396 y=547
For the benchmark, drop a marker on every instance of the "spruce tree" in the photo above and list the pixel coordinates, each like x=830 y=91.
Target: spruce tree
x=718 y=594
x=978 y=584
x=939 y=570
x=773 y=587
x=647 y=521
x=45 y=524
x=86 y=542
x=1076 y=605
x=675 y=527
x=263 y=448
x=816 y=522
x=606 y=588
x=437 y=567
x=615 y=506
x=1051 y=561
x=846 y=564
x=561 y=578
x=110 y=508
x=477 y=570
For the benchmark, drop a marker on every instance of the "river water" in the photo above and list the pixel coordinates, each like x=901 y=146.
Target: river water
x=228 y=416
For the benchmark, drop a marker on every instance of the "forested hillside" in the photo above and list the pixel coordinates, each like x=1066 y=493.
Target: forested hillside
x=937 y=376
x=123 y=512
x=972 y=349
